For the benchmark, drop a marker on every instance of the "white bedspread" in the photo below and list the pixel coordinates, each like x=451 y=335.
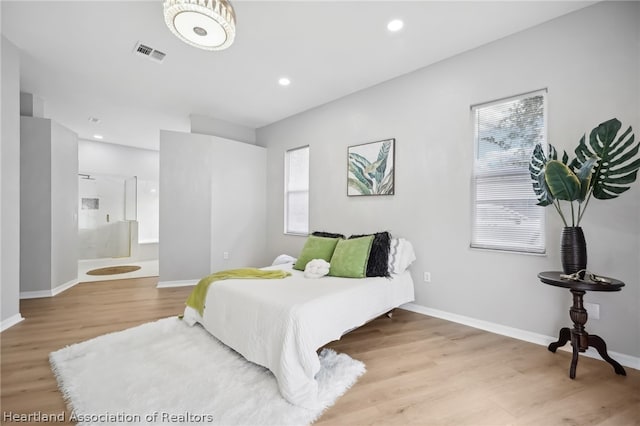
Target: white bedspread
x=280 y=323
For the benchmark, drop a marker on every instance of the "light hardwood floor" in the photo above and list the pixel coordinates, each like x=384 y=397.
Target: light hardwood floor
x=420 y=370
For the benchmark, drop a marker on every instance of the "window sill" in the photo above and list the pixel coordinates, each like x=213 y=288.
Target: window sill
x=296 y=234
x=492 y=250
x=142 y=242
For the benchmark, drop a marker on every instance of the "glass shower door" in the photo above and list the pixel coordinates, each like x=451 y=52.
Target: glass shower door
x=107 y=204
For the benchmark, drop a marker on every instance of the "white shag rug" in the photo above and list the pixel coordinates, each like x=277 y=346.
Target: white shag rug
x=166 y=372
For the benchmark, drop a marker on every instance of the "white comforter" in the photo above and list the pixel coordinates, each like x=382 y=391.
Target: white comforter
x=280 y=323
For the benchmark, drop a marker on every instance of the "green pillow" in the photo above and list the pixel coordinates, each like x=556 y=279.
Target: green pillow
x=316 y=248
x=350 y=257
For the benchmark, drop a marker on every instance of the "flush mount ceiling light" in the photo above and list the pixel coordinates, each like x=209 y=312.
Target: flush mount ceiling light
x=284 y=81
x=207 y=24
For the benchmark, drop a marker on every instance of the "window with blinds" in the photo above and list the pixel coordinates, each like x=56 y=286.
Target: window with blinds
x=505 y=214
x=296 y=191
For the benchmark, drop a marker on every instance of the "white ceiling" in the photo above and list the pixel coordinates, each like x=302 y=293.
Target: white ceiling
x=77 y=56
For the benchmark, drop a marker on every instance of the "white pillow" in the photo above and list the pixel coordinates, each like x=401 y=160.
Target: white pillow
x=401 y=255
x=282 y=259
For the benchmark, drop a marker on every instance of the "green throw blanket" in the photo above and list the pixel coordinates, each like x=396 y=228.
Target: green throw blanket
x=197 y=296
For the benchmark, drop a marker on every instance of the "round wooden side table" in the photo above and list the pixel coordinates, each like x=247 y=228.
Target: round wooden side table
x=580 y=339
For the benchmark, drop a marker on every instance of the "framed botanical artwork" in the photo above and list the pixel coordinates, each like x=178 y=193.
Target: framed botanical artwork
x=371 y=168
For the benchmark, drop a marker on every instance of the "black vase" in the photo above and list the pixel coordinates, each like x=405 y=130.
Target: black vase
x=573 y=250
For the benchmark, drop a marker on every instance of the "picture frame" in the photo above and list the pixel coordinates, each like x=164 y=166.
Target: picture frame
x=371 y=168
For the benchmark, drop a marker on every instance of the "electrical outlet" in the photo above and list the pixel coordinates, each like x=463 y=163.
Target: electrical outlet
x=225 y=255
x=427 y=277
x=593 y=310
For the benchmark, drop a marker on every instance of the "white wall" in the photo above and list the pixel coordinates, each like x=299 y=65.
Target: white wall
x=589 y=61
x=148 y=202
x=48 y=205
x=31 y=105
x=10 y=186
x=212 y=126
x=35 y=204
x=117 y=160
x=238 y=205
x=185 y=206
x=64 y=205
x=212 y=201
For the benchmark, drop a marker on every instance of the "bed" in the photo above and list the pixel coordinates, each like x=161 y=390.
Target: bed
x=280 y=323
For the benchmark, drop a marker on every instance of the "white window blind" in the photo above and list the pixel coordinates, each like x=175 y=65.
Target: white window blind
x=296 y=191
x=505 y=214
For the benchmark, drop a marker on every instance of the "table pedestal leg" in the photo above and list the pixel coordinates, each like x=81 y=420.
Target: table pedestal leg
x=580 y=339
x=575 y=344
x=601 y=346
x=563 y=338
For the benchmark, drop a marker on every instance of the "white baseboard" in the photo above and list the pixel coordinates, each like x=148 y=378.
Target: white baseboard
x=48 y=293
x=66 y=286
x=10 y=322
x=528 y=336
x=36 y=294
x=179 y=283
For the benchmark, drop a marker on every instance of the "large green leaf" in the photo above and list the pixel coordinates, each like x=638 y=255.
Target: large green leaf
x=381 y=163
x=562 y=182
x=359 y=186
x=386 y=186
x=584 y=175
x=357 y=167
x=372 y=170
x=616 y=167
x=536 y=169
x=359 y=160
x=580 y=155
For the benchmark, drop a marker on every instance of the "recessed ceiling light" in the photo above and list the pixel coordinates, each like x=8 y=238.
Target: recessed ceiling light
x=395 y=25
x=284 y=81
x=98 y=137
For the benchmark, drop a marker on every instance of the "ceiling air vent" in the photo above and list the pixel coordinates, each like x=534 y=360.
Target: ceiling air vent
x=157 y=55
x=149 y=52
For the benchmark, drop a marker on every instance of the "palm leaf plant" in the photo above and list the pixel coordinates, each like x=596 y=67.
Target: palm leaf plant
x=371 y=177
x=603 y=168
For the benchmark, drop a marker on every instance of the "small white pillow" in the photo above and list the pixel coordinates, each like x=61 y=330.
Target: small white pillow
x=401 y=255
x=282 y=259
x=316 y=268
